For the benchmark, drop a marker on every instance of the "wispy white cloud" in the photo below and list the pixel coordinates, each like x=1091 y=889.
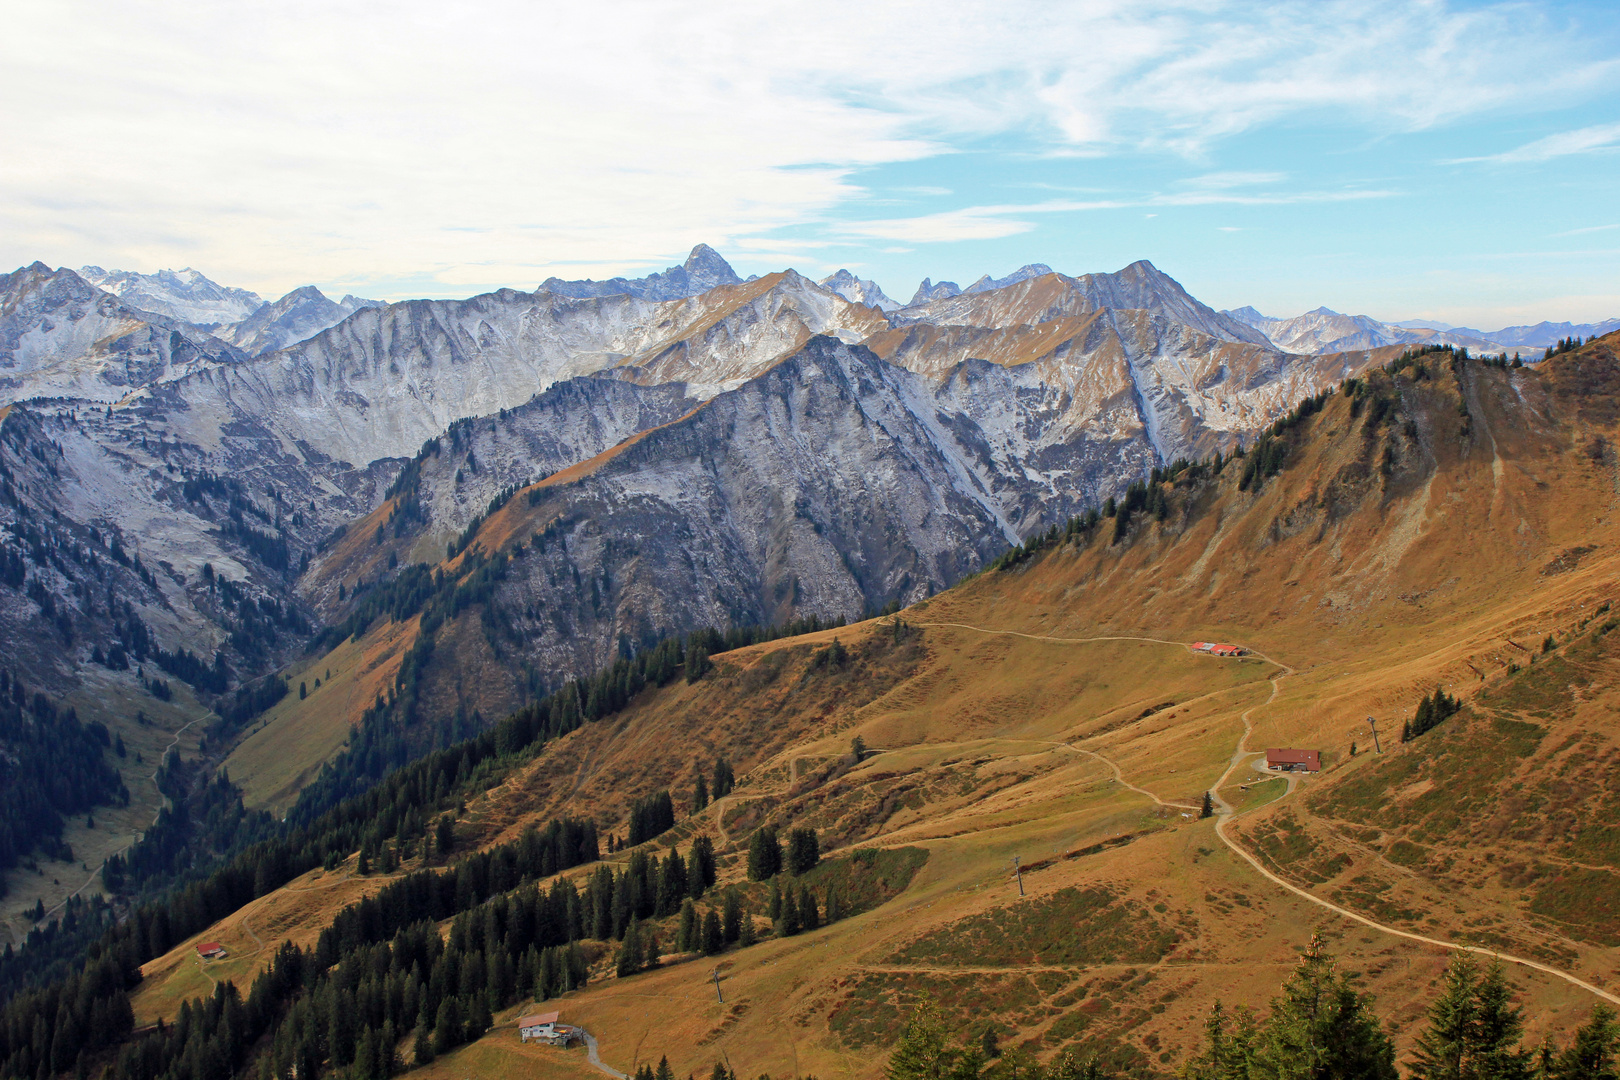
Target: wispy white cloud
x=1586 y=140
x=277 y=144
x=1588 y=229
x=995 y=221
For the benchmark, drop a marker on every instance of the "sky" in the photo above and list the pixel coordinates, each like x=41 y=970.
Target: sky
x=1452 y=162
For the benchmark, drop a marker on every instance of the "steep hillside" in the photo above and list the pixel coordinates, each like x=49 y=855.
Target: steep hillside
x=830 y=485
x=1442 y=524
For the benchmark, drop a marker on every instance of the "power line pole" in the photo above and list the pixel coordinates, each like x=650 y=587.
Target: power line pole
x=1018 y=870
x=717 y=992
x=1374 y=725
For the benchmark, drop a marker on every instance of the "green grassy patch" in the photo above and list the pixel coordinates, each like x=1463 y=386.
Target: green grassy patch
x=1072 y=926
x=1406 y=853
x=876 y=1005
x=1583 y=900
x=1465 y=762
x=866 y=877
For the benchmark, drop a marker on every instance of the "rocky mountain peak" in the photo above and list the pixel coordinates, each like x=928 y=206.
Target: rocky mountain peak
x=185 y=294
x=704 y=269
x=1023 y=273
x=928 y=292
x=858 y=290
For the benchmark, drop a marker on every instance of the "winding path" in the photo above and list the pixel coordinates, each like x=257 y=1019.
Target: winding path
x=1226 y=814
x=590 y=1055
x=161 y=801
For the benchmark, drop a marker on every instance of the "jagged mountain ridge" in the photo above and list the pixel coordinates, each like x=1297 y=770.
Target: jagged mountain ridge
x=182 y=295
x=1325 y=330
x=703 y=270
x=1140 y=286
x=298 y=316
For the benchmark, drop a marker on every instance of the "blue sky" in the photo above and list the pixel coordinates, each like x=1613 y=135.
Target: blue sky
x=1451 y=161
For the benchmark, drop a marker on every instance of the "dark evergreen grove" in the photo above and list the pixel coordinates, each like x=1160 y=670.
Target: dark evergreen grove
x=54 y=766
x=1430 y=711
x=650 y=817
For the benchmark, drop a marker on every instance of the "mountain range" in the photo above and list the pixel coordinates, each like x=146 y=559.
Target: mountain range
x=541 y=614
x=1327 y=330
x=780 y=447
x=695 y=449
x=1038 y=796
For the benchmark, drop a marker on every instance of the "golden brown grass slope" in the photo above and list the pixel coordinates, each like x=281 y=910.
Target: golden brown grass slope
x=1054 y=714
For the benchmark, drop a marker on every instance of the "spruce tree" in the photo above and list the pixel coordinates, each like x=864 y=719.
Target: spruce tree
x=1498 y=1027
x=764 y=854
x=686 y=938
x=447 y=1029
x=1592 y=1056
x=804 y=851
x=700 y=794
x=1208 y=809
x=700 y=867
x=713 y=939
x=1321 y=1027
x=650 y=951
x=808 y=915
x=732 y=917
x=923 y=1052
x=1444 y=1050
x=1228 y=1049
x=790 y=922
x=630 y=958
x=723 y=781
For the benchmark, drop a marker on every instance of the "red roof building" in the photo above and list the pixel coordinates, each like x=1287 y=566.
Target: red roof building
x=1217 y=649
x=211 y=950
x=1294 y=760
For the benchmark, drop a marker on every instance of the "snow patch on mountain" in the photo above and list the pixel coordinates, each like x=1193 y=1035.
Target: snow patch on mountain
x=858 y=290
x=1023 y=273
x=185 y=295
x=298 y=316
x=60 y=336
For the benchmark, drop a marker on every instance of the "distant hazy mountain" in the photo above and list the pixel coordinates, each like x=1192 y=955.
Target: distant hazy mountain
x=703 y=270
x=1415 y=324
x=1023 y=273
x=1325 y=330
x=1544 y=334
x=858 y=290
x=928 y=292
x=298 y=316
x=185 y=295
